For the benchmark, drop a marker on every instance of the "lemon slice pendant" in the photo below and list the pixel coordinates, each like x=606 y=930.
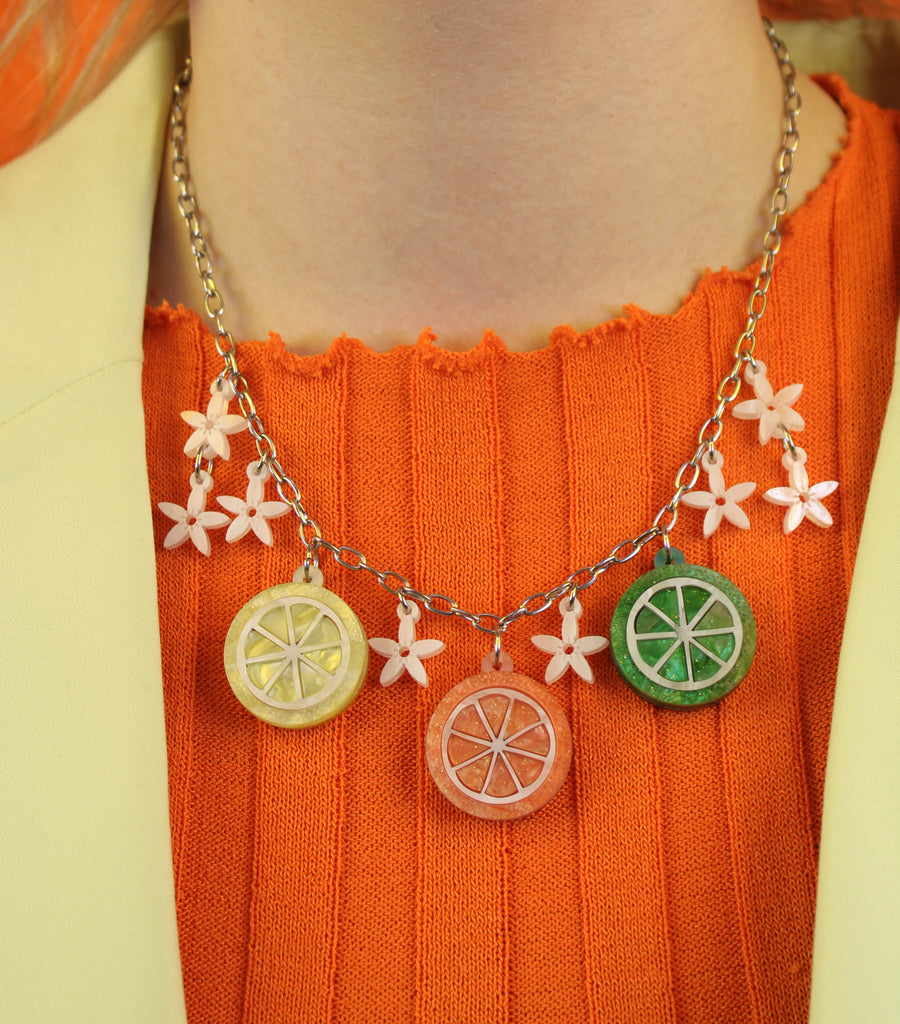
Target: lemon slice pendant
x=296 y=655
x=683 y=635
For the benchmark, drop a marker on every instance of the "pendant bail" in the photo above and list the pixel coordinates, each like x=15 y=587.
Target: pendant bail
x=573 y=604
x=309 y=574
x=198 y=467
x=311 y=559
x=667 y=545
x=498 y=642
x=497 y=660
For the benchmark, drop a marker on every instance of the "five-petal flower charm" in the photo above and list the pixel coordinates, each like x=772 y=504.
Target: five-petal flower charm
x=405 y=654
x=803 y=501
x=210 y=436
x=719 y=501
x=773 y=410
x=570 y=650
x=254 y=513
x=192 y=522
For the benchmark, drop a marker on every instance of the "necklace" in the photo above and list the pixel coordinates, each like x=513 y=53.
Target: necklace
x=498 y=745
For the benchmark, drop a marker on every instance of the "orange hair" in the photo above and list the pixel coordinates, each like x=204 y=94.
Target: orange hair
x=56 y=55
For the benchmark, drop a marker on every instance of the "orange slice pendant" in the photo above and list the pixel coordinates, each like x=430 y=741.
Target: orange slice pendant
x=499 y=746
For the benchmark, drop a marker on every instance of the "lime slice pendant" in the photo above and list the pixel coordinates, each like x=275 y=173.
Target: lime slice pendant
x=683 y=636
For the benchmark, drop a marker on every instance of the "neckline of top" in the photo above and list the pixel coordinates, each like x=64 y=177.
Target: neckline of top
x=795 y=225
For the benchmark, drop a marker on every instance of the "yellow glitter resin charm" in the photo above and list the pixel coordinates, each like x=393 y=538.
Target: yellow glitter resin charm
x=296 y=654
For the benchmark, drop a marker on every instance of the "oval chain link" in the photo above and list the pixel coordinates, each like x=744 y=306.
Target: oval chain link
x=685 y=479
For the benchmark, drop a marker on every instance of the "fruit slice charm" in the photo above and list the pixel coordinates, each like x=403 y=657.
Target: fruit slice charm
x=498 y=746
x=296 y=655
x=683 y=635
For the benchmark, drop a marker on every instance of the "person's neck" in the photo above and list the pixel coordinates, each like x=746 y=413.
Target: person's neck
x=372 y=169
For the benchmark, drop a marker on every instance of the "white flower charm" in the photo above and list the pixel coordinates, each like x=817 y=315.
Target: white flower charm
x=803 y=501
x=719 y=501
x=772 y=410
x=405 y=654
x=254 y=513
x=210 y=436
x=192 y=522
x=569 y=650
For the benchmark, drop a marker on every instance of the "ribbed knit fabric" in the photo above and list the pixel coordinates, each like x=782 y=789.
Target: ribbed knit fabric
x=320 y=874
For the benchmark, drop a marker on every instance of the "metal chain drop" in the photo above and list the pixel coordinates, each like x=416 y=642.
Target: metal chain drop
x=394 y=582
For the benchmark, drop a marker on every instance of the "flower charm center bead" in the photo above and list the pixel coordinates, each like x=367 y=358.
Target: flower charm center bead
x=683 y=636
x=498 y=746
x=296 y=655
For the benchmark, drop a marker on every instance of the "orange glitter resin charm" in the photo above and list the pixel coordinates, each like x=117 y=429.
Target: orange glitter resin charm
x=499 y=746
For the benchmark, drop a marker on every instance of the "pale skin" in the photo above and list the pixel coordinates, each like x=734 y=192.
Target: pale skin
x=373 y=168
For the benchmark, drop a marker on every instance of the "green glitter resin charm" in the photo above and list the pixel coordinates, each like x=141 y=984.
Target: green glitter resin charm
x=683 y=636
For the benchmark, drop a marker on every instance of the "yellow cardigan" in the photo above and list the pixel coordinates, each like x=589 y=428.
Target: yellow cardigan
x=88 y=914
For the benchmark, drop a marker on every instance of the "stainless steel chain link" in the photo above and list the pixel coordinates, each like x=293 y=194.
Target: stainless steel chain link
x=685 y=479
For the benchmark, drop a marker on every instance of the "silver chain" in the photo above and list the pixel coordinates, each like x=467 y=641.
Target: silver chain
x=685 y=479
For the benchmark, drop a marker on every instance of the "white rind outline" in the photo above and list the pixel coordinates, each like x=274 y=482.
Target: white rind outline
x=252 y=626
x=689 y=685
x=473 y=700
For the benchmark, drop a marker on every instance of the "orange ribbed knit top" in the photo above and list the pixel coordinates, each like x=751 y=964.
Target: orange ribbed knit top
x=320 y=875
